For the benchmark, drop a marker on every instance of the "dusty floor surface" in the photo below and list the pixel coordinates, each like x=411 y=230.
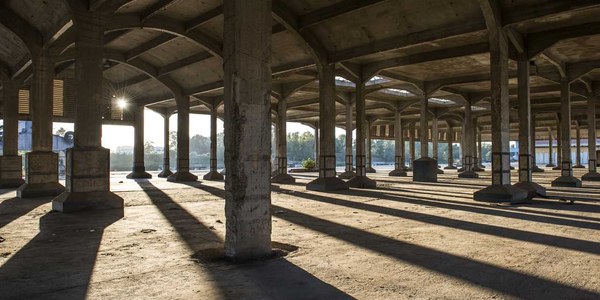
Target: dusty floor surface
x=401 y=240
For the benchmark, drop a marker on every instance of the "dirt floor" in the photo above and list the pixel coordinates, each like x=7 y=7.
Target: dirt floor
x=401 y=240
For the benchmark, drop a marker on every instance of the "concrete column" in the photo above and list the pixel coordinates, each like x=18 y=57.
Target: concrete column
x=139 y=167
x=558 y=145
x=450 y=135
x=11 y=174
x=425 y=168
x=88 y=175
x=247 y=78
x=566 y=179
x=434 y=142
x=213 y=174
x=533 y=140
x=550 y=154
x=317 y=146
x=399 y=167
x=411 y=145
x=363 y=127
x=282 y=175
x=349 y=173
x=477 y=147
x=592 y=174
x=500 y=190
x=41 y=164
x=525 y=158
x=468 y=145
x=578 y=164
x=479 y=166
x=183 y=142
x=166 y=171
x=369 y=152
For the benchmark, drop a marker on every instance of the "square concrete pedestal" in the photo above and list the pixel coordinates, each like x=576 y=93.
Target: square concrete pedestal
x=499 y=193
x=213 y=176
x=41 y=175
x=533 y=189
x=327 y=184
x=362 y=182
x=283 y=178
x=425 y=169
x=398 y=173
x=591 y=176
x=87 y=182
x=11 y=171
x=183 y=176
x=566 y=181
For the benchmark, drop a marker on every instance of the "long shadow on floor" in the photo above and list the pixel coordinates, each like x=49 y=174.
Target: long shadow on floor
x=515 y=234
x=58 y=262
x=14 y=208
x=275 y=278
x=478 y=273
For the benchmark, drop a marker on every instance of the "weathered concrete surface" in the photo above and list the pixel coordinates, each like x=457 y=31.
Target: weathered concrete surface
x=41 y=175
x=183 y=143
x=425 y=170
x=11 y=171
x=139 y=168
x=396 y=242
x=166 y=171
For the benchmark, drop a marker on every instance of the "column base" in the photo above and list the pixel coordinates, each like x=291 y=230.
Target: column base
x=425 y=170
x=398 y=173
x=591 y=176
x=370 y=169
x=184 y=176
x=537 y=169
x=327 y=184
x=138 y=175
x=478 y=169
x=274 y=173
x=409 y=169
x=164 y=173
x=213 y=176
x=533 y=189
x=450 y=167
x=440 y=171
x=501 y=193
x=362 y=182
x=461 y=169
x=11 y=171
x=46 y=189
x=78 y=201
x=223 y=172
x=468 y=174
x=283 y=178
x=512 y=168
x=556 y=168
x=550 y=165
x=578 y=167
x=347 y=175
x=566 y=181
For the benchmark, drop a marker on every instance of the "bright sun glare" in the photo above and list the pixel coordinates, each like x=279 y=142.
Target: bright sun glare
x=121 y=103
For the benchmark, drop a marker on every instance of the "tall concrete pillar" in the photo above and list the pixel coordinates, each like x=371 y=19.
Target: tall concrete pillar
x=399 y=167
x=450 y=138
x=183 y=142
x=550 y=154
x=411 y=145
x=477 y=167
x=566 y=179
x=578 y=164
x=558 y=145
x=592 y=174
x=11 y=174
x=369 y=149
x=500 y=190
x=41 y=164
x=317 y=147
x=327 y=180
x=139 y=167
x=349 y=173
x=425 y=168
x=88 y=175
x=533 y=140
x=213 y=174
x=166 y=171
x=468 y=145
x=363 y=126
x=247 y=56
x=525 y=158
x=282 y=175
x=434 y=142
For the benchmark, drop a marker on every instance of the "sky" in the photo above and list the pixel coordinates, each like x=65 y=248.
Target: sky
x=119 y=135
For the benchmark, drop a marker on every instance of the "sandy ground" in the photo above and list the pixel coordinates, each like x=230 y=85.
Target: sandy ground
x=401 y=240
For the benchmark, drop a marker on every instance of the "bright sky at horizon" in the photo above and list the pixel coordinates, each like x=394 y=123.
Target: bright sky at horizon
x=114 y=136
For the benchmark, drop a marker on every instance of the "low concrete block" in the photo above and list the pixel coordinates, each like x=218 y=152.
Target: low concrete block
x=32 y=190
x=566 y=181
x=213 y=176
x=591 y=176
x=498 y=193
x=11 y=171
x=425 y=170
x=182 y=177
x=362 y=182
x=327 y=184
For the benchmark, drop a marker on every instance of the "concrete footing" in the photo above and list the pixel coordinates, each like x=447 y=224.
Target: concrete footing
x=164 y=173
x=550 y=165
x=370 y=169
x=533 y=189
x=347 y=175
x=283 y=178
x=327 y=184
x=440 y=171
x=139 y=174
x=398 y=173
x=425 y=170
x=566 y=181
x=499 y=193
x=213 y=176
x=468 y=174
x=557 y=168
x=183 y=176
x=78 y=201
x=451 y=167
x=461 y=169
x=537 y=169
x=578 y=167
x=361 y=182
x=42 y=175
x=11 y=171
x=478 y=169
x=591 y=176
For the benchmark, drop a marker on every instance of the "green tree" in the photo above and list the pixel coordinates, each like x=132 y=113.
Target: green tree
x=148 y=147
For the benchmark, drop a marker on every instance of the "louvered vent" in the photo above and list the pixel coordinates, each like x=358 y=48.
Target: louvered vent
x=58 y=99
x=24 y=102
